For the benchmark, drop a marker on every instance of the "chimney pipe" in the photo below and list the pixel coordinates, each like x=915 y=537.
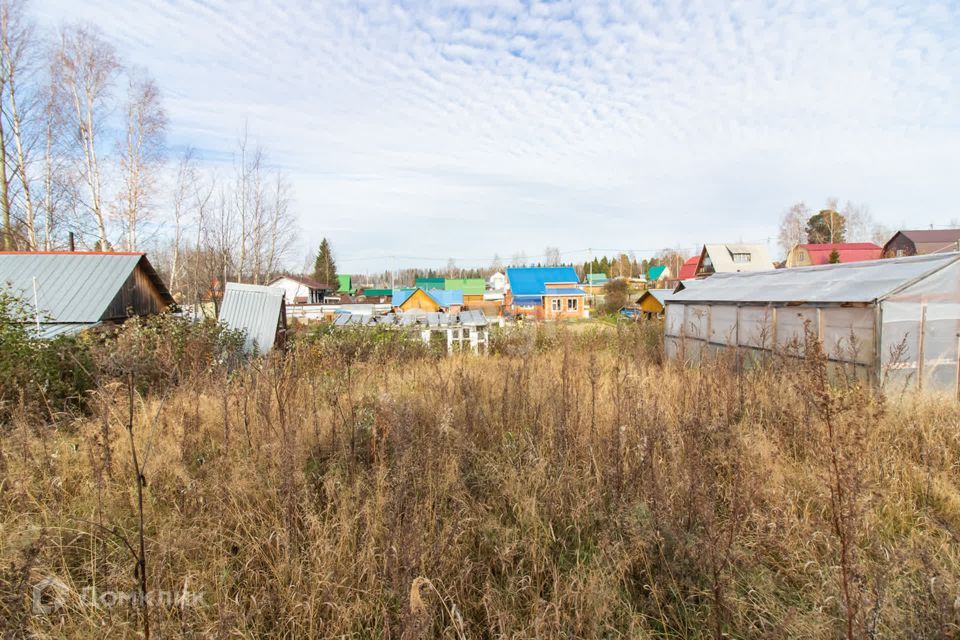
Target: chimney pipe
x=73 y=246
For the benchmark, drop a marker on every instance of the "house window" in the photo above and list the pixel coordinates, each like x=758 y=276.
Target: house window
x=555 y=304
x=572 y=304
x=741 y=258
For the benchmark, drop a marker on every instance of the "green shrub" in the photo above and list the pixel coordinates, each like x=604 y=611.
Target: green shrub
x=38 y=376
x=164 y=350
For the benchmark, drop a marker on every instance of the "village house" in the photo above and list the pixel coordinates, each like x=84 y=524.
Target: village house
x=375 y=296
x=69 y=291
x=921 y=242
x=733 y=258
x=472 y=288
x=497 y=282
x=688 y=270
x=429 y=301
x=430 y=283
x=657 y=275
x=594 y=283
x=259 y=312
x=301 y=289
x=546 y=293
x=807 y=255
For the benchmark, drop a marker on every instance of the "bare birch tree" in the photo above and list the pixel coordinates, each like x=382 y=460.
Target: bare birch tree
x=140 y=154
x=793 y=227
x=57 y=186
x=17 y=60
x=87 y=67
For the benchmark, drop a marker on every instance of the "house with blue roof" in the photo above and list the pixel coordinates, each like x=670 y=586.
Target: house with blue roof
x=430 y=300
x=546 y=293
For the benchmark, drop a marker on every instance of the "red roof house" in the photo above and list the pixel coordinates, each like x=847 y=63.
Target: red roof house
x=689 y=269
x=805 y=255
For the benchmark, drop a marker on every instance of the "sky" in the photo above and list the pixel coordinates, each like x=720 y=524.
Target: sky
x=416 y=132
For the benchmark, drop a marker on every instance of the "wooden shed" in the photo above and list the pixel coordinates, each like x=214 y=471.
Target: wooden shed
x=70 y=291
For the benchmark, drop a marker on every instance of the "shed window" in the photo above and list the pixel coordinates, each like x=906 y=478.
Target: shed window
x=555 y=304
x=572 y=304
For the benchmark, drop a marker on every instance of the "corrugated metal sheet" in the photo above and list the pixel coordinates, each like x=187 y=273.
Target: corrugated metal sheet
x=255 y=310
x=836 y=283
x=50 y=331
x=71 y=287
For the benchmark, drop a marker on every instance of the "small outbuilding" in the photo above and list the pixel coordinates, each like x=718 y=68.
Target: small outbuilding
x=260 y=312
x=430 y=301
x=896 y=322
x=919 y=242
x=69 y=291
x=652 y=302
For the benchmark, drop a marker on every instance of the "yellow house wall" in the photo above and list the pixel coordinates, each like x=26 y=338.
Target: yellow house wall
x=419 y=300
x=650 y=304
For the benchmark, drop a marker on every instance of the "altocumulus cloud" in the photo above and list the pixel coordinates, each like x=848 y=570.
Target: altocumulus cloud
x=479 y=126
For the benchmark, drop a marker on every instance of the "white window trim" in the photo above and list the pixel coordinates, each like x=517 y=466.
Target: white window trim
x=573 y=304
x=555 y=304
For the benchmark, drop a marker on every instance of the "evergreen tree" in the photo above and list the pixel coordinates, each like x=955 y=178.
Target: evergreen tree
x=826 y=227
x=834 y=257
x=324 y=268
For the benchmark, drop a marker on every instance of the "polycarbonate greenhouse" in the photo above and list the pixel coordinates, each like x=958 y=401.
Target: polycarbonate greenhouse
x=896 y=321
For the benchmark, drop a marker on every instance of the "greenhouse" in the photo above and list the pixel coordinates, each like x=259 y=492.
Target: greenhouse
x=896 y=321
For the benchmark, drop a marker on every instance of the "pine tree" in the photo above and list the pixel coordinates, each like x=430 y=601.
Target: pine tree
x=324 y=268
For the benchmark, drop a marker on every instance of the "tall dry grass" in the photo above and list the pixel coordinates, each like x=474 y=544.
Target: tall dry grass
x=569 y=486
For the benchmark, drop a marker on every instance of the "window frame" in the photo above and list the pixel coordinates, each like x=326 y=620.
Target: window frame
x=573 y=304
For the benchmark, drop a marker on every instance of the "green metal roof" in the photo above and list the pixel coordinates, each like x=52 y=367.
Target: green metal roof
x=430 y=283
x=378 y=292
x=596 y=278
x=469 y=286
x=345 y=283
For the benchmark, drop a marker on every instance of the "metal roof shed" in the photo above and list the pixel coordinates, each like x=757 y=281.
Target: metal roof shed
x=260 y=312
x=896 y=320
x=74 y=290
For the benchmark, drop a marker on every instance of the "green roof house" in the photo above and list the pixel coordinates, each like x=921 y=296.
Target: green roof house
x=469 y=286
x=429 y=283
x=345 y=283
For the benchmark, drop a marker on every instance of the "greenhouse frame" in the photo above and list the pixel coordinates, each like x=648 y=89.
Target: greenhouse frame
x=896 y=322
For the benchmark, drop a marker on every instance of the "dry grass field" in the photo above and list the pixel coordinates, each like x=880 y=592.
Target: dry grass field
x=570 y=485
